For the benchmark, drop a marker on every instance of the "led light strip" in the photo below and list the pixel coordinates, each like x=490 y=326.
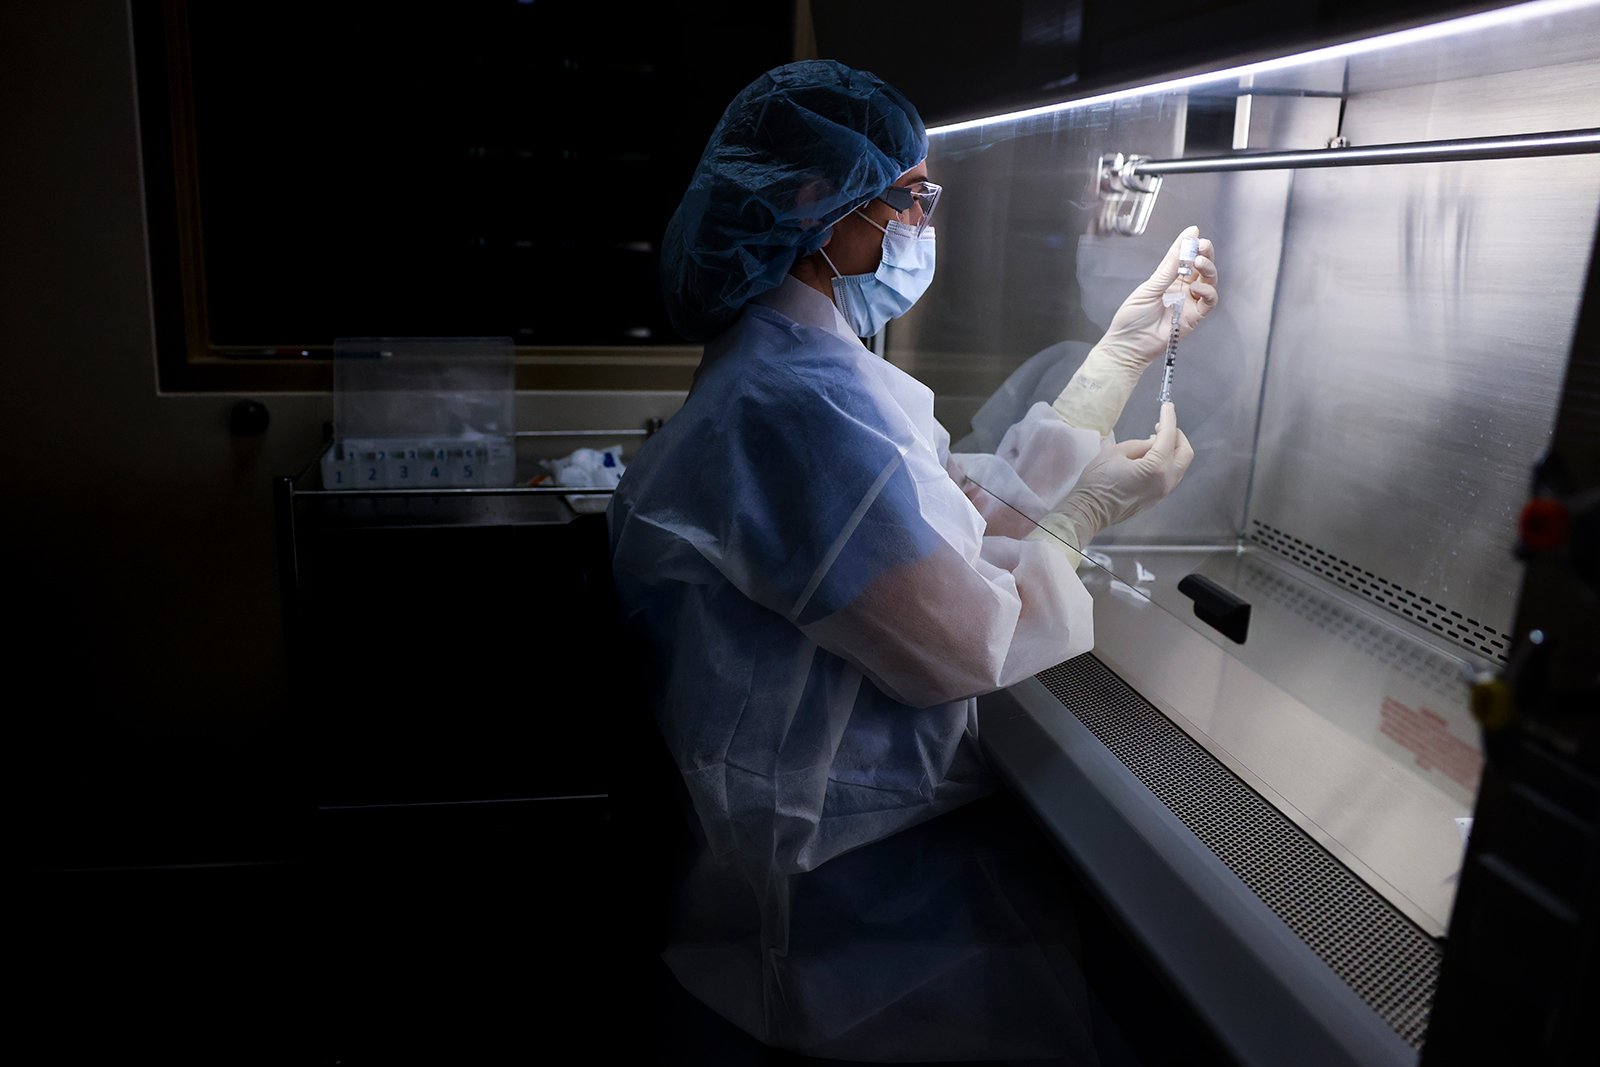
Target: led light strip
x=1467 y=24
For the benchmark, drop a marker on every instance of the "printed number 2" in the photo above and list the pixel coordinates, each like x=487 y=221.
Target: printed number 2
x=372 y=474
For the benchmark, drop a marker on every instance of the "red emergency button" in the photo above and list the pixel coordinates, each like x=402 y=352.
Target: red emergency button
x=1543 y=524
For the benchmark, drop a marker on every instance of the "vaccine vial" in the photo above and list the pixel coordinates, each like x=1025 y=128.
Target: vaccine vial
x=1188 y=252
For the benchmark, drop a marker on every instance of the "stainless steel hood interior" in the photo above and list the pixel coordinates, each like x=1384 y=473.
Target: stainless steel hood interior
x=1365 y=404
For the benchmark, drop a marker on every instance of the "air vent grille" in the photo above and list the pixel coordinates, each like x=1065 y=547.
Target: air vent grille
x=1385 y=958
x=1462 y=629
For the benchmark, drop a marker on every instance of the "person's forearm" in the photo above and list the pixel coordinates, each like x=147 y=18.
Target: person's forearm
x=946 y=628
x=1097 y=393
x=1063 y=532
x=1139 y=332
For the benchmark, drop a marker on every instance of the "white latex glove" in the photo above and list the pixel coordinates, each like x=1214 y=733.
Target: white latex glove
x=1123 y=480
x=1094 y=398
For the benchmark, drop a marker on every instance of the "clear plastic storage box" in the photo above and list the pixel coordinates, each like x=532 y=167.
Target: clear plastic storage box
x=414 y=413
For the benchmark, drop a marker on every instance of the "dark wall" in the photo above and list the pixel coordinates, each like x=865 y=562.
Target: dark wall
x=145 y=667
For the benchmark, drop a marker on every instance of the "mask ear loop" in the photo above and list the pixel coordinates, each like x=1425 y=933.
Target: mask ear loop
x=881 y=229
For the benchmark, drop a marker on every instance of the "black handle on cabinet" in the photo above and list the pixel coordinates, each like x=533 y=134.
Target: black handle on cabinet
x=1217 y=607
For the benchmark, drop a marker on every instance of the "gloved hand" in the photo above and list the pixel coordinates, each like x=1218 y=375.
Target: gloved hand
x=1123 y=480
x=1094 y=398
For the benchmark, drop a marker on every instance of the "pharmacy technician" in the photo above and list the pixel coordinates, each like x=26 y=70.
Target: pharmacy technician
x=818 y=588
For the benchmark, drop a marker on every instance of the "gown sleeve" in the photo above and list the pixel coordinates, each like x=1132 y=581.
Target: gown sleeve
x=1036 y=465
x=980 y=614
x=845 y=518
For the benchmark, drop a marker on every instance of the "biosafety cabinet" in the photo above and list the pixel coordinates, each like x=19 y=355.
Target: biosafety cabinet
x=1270 y=761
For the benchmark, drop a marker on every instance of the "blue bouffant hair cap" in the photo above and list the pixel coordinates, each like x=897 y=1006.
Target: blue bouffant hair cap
x=801 y=147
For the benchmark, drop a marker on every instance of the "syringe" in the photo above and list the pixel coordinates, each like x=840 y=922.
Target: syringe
x=1188 y=251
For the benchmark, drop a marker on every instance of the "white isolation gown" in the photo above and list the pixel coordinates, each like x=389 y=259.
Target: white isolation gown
x=818 y=601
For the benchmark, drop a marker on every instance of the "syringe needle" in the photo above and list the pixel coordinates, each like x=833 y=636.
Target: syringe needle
x=1188 y=251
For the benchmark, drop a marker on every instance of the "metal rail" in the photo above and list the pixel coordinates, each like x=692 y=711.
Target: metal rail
x=1559 y=143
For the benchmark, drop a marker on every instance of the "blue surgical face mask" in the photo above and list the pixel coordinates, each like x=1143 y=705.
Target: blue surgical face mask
x=867 y=301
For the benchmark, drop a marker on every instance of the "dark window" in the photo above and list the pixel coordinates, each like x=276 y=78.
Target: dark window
x=483 y=167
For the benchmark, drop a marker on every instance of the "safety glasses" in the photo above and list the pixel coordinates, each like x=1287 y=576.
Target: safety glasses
x=919 y=198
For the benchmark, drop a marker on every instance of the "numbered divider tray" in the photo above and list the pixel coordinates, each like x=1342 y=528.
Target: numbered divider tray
x=425 y=505
x=427 y=463
x=335 y=489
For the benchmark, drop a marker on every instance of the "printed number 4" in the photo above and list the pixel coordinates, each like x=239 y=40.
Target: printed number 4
x=434 y=473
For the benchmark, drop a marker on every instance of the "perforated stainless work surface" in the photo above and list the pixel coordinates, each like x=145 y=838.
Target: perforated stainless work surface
x=1386 y=959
